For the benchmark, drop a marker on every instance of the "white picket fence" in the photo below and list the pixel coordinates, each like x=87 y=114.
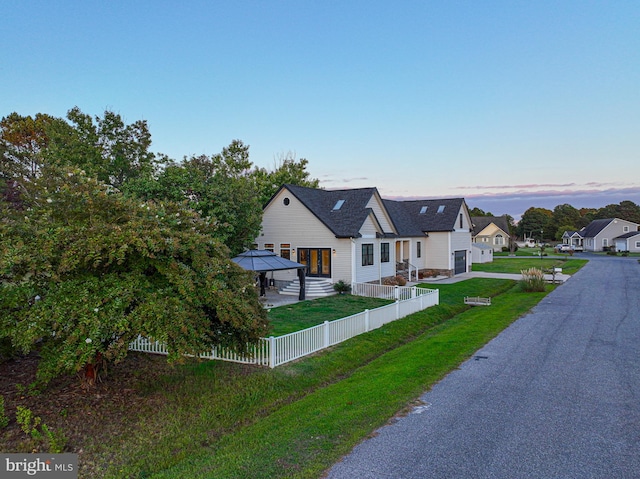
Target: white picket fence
x=275 y=351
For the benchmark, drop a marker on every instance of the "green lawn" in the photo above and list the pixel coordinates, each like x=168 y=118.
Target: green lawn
x=304 y=437
x=516 y=265
x=215 y=419
x=305 y=314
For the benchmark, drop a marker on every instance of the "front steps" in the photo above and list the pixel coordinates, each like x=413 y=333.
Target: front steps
x=314 y=287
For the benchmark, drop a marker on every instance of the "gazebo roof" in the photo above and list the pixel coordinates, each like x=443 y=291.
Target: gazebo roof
x=262 y=260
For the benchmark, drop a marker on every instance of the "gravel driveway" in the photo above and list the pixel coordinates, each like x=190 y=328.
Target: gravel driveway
x=556 y=395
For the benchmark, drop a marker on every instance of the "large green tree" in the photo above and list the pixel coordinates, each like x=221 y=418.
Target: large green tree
x=84 y=270
x=626 y=210
x=219 y=187
x=535 y=224
x=286 y=170
x=564 y=217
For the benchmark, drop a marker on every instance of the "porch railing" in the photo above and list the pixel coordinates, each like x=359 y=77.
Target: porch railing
x=404 y=267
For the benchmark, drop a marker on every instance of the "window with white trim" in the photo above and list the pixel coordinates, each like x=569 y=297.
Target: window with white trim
x=285 y=250
x=419 y=249
x=268 y=247
x=498 y=240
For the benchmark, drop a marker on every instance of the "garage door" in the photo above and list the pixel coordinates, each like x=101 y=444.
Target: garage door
x=460 y=265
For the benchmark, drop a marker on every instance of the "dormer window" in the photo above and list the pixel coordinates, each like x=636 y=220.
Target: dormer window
x=338 y=205
x=423 y=210
x=441 y=209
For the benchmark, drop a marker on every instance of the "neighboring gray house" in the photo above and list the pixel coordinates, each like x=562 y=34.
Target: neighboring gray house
x=491 y=230
x=355 y=236
x=628 y=242
x=600 y=234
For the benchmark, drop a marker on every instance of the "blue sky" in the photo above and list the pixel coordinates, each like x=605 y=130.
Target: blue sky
x=509 y=104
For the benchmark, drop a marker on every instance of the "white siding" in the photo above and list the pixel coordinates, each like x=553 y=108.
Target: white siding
x=380 y=212
x=364 y=274
x=369 y=228
x=439 y=251
x=296 y=225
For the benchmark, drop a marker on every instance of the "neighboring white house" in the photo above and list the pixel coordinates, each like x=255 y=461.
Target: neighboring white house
x=356 y=236
x=600 y=234
x=491 y=230
x=628 y=242
x=574 y=238
x=481 y=253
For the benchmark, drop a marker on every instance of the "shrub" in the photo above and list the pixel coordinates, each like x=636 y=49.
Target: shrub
x=342 y=287
x=41 y=434
x=532 y=280
x=401 y=280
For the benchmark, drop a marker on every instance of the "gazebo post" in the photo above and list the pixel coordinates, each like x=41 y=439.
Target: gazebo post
x=263 y=279
x=301 y=277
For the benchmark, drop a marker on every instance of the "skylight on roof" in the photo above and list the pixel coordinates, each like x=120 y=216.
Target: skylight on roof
x=441 y=209
x=338 y=205
x=423 y=210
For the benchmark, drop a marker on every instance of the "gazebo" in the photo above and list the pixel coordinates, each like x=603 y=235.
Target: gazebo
x=262 y=261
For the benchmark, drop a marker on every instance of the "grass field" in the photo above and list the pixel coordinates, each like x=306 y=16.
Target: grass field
x=214 y=419
x=516 y=265
x=299 y=316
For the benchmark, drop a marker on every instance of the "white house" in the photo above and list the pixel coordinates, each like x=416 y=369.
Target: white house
x=355 y=236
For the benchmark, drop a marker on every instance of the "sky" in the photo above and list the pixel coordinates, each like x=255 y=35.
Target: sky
x=509 y=104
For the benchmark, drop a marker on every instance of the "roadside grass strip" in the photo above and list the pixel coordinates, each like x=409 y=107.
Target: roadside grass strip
x=305 y=437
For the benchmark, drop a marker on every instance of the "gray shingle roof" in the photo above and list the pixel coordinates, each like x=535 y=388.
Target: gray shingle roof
x=631 y=234
x=481 y=222
x=595 y=227
x=406 y=216
x=409 y=220
x=344 y=222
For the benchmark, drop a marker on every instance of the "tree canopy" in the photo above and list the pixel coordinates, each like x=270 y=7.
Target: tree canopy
x=102 y=240
x=85 y=270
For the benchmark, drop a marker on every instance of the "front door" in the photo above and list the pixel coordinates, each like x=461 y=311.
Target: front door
x=460 y=262
x=318 y=261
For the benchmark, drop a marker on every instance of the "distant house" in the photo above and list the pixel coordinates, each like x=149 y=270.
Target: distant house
x=574 y=238
x=355 y=236
x=602 y=234
x=491 y=230
x=481 y=253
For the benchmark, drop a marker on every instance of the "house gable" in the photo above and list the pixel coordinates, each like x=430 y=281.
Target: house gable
x=343 y=212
